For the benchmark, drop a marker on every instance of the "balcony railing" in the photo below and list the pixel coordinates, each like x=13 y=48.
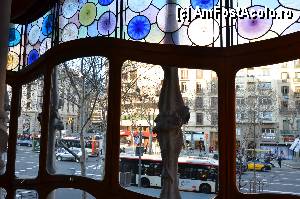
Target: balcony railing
x=297 y=95
x=296 y=79
x=288 y=132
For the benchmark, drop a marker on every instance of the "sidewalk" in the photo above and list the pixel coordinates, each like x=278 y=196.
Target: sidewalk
x=294 y=164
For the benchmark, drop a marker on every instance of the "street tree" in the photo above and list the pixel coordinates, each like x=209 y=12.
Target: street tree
x=139 y=94
x=86 y=82
x=256 y=105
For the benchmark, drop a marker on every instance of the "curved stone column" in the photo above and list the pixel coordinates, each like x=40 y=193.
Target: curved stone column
x=172 y=115
x=4 y=29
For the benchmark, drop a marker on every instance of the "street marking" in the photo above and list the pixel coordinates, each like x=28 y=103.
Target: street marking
x=281 y=192
x=22 y=170
x=298 y=179
x=270 y=191
x=29 y=168
x=284 y=178
x=277 y=183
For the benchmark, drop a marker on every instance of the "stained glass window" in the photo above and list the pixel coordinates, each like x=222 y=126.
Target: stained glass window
x=179 y=22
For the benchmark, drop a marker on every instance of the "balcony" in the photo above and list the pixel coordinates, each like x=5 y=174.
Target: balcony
x=297 y=94
x=296 y=79
x=285 y=80
x=288 y=132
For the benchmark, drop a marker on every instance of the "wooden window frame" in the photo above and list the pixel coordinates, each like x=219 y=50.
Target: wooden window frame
x=224 y=61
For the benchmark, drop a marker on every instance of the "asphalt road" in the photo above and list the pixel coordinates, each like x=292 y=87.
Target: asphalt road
x=27 y=165
x=278 y=180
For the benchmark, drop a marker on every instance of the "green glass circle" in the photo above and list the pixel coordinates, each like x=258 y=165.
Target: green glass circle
x=87 y=14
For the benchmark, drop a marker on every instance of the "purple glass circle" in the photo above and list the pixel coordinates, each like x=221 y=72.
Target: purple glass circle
x=252 y=28
x=107 y=23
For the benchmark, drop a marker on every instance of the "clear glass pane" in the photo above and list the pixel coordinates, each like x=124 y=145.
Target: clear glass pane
x=141 y=84
x=2 y=193
x=267 y=134
x=80 y=125
x=25 y=193
x=29 y=130
x=69 y=193
x=3 y=150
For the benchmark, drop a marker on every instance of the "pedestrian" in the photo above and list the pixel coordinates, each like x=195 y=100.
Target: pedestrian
x=279 y=159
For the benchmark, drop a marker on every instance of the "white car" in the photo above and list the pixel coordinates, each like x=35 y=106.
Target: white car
x=63 y=154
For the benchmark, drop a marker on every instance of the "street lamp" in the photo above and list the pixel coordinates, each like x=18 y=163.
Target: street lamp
x=140 y=155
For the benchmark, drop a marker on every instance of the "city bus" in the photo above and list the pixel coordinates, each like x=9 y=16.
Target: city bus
x=193 y=174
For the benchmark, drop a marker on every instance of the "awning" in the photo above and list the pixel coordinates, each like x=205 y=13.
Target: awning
x=136 y=133
x=145 y=134
x=124 y=133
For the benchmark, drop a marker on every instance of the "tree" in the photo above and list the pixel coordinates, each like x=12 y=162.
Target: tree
x=139 y=94
x=86 y=81
x=255 y=105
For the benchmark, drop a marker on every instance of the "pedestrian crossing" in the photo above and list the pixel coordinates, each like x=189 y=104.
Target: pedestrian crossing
x=278 y=180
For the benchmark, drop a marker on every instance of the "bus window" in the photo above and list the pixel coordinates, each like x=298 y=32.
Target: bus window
x=154 y=169
x=185 y=172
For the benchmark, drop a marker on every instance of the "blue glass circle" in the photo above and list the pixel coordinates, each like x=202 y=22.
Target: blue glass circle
x=204 y=4
x=138 y=27
x=47 y=25
x=105 y=2
x=32 y=56
x=14 y=37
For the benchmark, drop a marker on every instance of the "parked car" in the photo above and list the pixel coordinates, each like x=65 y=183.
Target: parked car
x=24 y=142
x=259 y=166
x=63 y=154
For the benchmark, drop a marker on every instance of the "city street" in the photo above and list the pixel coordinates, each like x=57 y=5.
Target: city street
x=27 y=165
x=278 y=180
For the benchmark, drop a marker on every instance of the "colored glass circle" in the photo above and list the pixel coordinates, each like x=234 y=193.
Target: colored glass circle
x=107 y=23
x=14 y=37
x=12 y=60
x=32 y=56
x=47 y=26
x=70 y=32
x=69 y=8
x=138 y=27
x=250 y=28
x=202 y=33
x=204 y=4
x=105 y=2
x=87 y=14
x=167 y=19
x=34 y=34
x=45 y=45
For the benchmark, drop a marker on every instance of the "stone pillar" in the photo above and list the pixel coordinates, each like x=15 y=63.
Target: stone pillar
x=4 y=27
x=172 y=115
